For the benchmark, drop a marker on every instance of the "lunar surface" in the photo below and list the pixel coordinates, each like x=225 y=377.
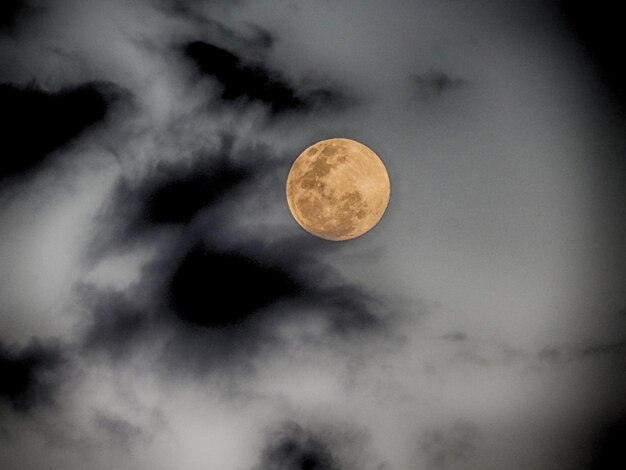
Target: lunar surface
x=338 y=189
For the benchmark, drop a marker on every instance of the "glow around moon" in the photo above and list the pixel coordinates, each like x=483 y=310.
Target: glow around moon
x=338 y=189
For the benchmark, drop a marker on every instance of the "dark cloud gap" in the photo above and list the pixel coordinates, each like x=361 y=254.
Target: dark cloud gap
x=254 y=82
x=35 y=123
x=598 y=27
x=269 y=277
x=178 y=201
x=211 y=288
x=28 y=374
x=294 y=448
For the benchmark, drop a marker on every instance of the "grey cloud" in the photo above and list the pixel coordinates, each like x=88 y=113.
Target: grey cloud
x=118 y=431
x=618 y=347
x=30 y=375
x=445 y=447
x=435 y=83
x=486 y=353
x=565 y=354
x=245 y=81
x=456 y=337
x=294 y=448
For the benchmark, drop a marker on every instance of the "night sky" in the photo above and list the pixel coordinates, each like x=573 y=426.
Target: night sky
x=161 y=309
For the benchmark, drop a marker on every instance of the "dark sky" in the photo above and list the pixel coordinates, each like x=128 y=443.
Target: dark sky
x=160 y=308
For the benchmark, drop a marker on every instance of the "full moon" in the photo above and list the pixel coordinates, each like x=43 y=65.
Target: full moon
x=338 y=189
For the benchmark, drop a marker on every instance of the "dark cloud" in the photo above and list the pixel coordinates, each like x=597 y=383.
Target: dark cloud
x=11 y=12
x=207 y=298
x=189 y=7
x=435 y=83
x=34 y=122
x=175 y=194
x=446 y=446
x=28 y=374
x=609 y=447
x=254 y=82
x=618 y=347
x=556 y=355
x=598 y=27
x=178 y=199
x=239 y=286
x=294 y=448
x=118 y=324
x=213 y=307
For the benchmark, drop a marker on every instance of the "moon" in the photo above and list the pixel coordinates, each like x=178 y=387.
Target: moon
x=338 y=189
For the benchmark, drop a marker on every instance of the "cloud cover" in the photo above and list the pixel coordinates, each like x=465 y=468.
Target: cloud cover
x=183 y=314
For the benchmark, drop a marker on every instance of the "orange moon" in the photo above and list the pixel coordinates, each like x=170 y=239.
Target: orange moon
x=338 y=189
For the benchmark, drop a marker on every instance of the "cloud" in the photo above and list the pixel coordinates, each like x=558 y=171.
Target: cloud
x=435 y=83
x=11 y=13
x=601 y=349
x=444 y=447
x=598 y=28
x=216 y=292
x=294 y=448
x=36 y=122
x=239 y=286
x=608 y=452
x=250 y=81
x=561 y=355
x=173 y=193
x=118 y=431
x=29 y=374
x=212 y=308
x=322 y=446
x=456 y=337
